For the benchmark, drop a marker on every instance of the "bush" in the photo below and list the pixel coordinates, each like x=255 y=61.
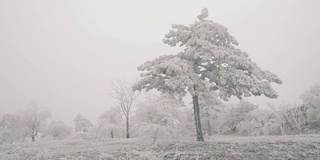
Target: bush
x=272 y=128
x=249 y=128
x=83 y=136
x=152 y=132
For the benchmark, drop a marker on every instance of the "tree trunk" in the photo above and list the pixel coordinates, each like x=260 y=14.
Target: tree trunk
x=33 y=137
x=111 y=133
x=196 y=110
x=127 y=126
x=209 y=128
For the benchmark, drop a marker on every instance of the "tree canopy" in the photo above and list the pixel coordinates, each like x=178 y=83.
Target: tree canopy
x=210 y=61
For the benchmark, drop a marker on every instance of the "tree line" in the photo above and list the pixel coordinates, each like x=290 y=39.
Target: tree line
x=163 y=116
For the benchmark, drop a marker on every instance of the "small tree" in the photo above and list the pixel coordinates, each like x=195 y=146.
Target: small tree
x=294 y=117
x=210 y=61
x=82 y=124
x=83 y=128
x=238 y=115
x=311 y=98
x=110 y=122
x=59 y=130
x=210 y=106
x=125 y=96
x=34 y=119
x=11 y=128
x=157 y=117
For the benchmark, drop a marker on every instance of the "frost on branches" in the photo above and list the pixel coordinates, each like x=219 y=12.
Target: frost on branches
x=110 y=123
x=311 y=100
x=82 y=127
x=158 y=118
x=34 y=119
x=210 y=61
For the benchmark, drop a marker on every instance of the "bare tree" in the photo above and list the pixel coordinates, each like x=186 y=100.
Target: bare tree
x=35 y=119
x=125 y=96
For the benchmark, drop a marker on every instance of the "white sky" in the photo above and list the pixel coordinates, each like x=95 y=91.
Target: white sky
x=65 y=53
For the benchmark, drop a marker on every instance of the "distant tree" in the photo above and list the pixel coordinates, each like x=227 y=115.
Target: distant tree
x=161 y=110
x=210 y=106
x=157 y=117
x=186 y=126
x=311 y=98
x=34 y=119
x=235 y=115
x=125 y=96
x=110 y=122
x=82 y=124
x=59 y=130
x=210 y=61
x=11 y=128
x=294 y=117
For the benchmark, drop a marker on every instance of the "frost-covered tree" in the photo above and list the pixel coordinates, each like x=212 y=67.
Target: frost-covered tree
x=210 y=61
x=34 y=119
x=59 y=130
x=82 y=124
x=125 y=96
x=110 y=122
x=210 y=106
x=235 y=115
x=311 y=98
x=11 y=128
x=157 y=117
x=161 y=110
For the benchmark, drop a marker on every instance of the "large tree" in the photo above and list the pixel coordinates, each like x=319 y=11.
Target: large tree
x=210 y=61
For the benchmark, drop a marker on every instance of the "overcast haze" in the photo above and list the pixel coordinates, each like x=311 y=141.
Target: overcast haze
x=64 y=54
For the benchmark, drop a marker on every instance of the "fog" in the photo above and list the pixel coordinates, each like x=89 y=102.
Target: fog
x=64 y=54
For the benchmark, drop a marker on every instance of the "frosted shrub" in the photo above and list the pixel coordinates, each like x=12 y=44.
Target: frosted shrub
x=83 y=136
x=249 y=128
x=272 y=128
x=152 y=132
x=110 y=124
x=158 y=117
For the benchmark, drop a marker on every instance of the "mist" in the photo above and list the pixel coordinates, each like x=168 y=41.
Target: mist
x=64 y=54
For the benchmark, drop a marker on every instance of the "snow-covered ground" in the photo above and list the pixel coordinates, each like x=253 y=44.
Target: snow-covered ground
x=219 y=147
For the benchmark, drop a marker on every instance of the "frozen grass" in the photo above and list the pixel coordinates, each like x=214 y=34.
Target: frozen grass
x=221 y=147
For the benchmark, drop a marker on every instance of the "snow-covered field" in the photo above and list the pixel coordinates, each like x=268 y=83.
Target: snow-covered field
x=220 y=147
